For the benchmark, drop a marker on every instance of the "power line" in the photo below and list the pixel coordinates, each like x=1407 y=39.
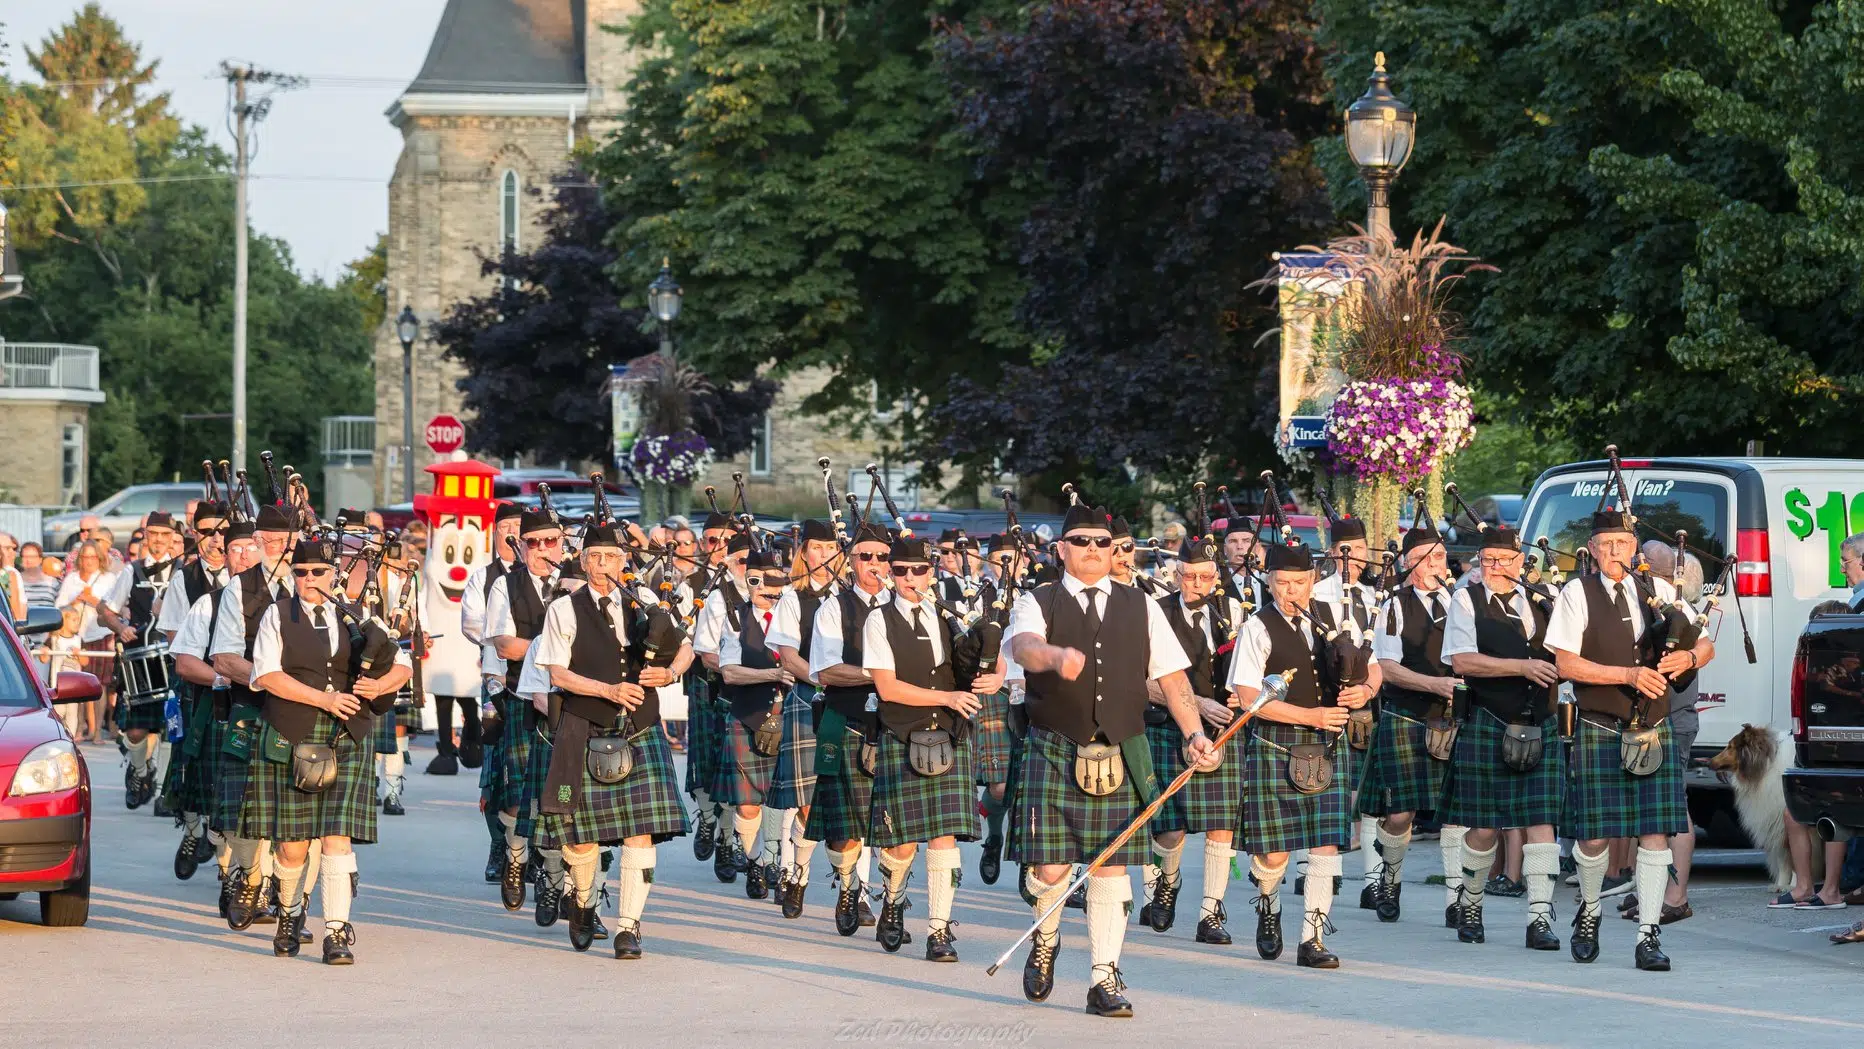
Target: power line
x=343 y=80
x=224 y=177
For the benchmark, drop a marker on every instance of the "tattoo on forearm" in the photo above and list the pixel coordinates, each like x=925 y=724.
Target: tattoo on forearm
x=1178 y=691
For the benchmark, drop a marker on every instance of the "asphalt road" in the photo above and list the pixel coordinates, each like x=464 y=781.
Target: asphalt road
x=439 y=959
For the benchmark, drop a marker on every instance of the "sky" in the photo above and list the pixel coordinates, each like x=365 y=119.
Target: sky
x=328 y=145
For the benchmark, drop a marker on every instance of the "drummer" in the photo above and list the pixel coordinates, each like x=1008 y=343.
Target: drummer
x=130 y=613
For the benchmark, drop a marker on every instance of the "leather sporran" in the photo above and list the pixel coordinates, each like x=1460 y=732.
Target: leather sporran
x=1310 y=767
x=1640 y=751
x=1099 y=769
x=1359 y=729
x=609 y=759
x=930 y=751
x=867 y=759
x=1440 y=738
x=769 y=736
x=1522 y=747
x=313 y=767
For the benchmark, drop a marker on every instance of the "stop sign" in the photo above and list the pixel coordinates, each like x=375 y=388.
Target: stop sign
x=445 y=434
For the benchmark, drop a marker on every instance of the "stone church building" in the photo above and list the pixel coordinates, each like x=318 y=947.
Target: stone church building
x=507 y=89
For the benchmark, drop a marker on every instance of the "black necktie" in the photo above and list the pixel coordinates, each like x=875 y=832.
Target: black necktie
x=1622 y=606
x=1093 y=612
x=1197 y=624
x=1436 y=607
x=1358 y=605
x=603 y=606
x=919 y=623
x=1505 y=609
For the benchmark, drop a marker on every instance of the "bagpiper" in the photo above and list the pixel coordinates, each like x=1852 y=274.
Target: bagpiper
x=611 y=778
x=725 y=597
x=1609 y=640
x=993 y=735
x=1297 y=775
x=1352 y=595
x=1087 y=649
x=189 y=784
x=478 y=740
x=754 y=687
x=129 y=612
x=325 y=675
x=816 y=577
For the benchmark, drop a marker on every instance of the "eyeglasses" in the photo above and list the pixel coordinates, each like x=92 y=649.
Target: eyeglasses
x=547 y=543
x=1127 y=547
x=912 y=570
x=1496 y=562
x=882 y=558
x=1083 y=541
x=310 y=573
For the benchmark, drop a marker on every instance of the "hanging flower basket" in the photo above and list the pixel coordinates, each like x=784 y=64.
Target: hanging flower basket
x=1399 y=430
x=670 y=458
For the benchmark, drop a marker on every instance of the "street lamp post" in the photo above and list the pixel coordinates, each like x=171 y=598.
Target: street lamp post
x=1380 y=131
x=663 y=299
x=408 y=327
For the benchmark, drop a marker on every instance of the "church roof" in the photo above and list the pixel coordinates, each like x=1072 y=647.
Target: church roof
x=518 y=47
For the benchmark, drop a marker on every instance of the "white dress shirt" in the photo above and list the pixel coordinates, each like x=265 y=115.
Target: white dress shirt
x=1388 y=641
x=712 y=626
x=168 y=620
x=1164 y=655
x=532 y=678
x=786 y=631
x=552 y=647
x=230 y=628
x=731 y=649
x=825 y=647
x=473 y=602
x=191 y=635
x=1335 y=595
x=1567 y=627
x=1459 y=634
x=1251 y=655
x=877 y=650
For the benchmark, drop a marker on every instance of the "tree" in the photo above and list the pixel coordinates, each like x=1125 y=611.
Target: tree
x=1630 y=291
x=537 y=350
x=1165 y=137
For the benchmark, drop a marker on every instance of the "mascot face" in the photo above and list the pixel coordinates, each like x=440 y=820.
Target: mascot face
x=454 y=550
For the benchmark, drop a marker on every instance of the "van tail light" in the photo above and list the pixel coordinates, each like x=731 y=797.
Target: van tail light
x=1753 y=564
x=1796 y=683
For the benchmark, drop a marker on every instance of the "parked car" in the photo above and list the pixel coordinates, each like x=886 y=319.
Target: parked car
x=1825 y=788
x=122 y=513
x=978 y=524
x=1777 y=523
x=45 y=787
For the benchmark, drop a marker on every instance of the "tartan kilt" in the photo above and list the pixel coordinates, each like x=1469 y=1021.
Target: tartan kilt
x=744 y=775
x=1486 y=793
x=910 y=808
x=794 y=779
x=647 y=802
x=1399 y=774
x=229 y=784
x=1605 y=801
x=514 y=748
x=843 y=800
x=190 y=786
x=531 y=784
x=705 y=733
x=384 y=739
x=1211 y=800
x=277 y=811
x=990 y=739
x=1058 y=822
x=1278 y=818
x=408 y=717
x=492 y=769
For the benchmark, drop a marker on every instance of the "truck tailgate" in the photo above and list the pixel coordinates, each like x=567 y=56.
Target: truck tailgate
x=1828 y=683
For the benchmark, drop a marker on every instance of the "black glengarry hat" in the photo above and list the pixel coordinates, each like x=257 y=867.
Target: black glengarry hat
x=314 y=551
x=1611 y=519
x=1081 y=516
x=1501 y=537
x=1288 y=557
x=1420 y=536
x=872 y=533
x=1120 y=528
x=272 y=519
x=912 y=551
x=815 y=531
x=508 y=512
x=536 y=521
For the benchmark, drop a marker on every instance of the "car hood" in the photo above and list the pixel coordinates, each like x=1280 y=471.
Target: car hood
x=20 y=733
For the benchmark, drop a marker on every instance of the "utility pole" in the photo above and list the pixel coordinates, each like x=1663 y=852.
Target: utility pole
x=246 y=113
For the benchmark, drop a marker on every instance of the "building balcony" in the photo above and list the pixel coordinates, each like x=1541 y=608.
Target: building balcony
x=349 y=440
x=49 y=371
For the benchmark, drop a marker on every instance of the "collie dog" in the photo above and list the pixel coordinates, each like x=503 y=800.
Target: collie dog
x=1756 y=760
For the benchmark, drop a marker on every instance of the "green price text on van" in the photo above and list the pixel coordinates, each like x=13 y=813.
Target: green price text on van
x=1830 y=517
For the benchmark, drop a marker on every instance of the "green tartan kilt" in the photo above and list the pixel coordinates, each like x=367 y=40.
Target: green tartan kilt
x=844 y=799
x=384 y=739
x=1486 y=793
x=277 y=811
x=492 y=770
x=990 y=739
x=647 y=802
x=1278 y=818
x=1058 y=822
x=705 y=733
x=229 y=779
x=1399 y=774
x=795 y=777
x=1012 y=792
x=1605 y=801
x=910 y=808
x=1211 y=800
x=407 y=714
x=190 y=785
x=743 y=774
x=514 y=749
x=536 y=773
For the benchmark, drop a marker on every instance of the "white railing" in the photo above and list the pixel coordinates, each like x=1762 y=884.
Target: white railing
x=48 y=366
x=349 y=440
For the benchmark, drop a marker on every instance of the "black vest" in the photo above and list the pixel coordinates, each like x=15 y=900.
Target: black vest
x=1606 y=642
x=145 y=583
x=1423 y=653
x=749 y=703
x=807 y=602
x=850 y=701
x=912 y=663
x=307 y=657
x=1108 y=699
x=1206 y=669
x=1513 y=699
x=494 y=572
x=527 y=618
x=194 y=583
x=1289 y=651
x=255 y=596
x=598 y=655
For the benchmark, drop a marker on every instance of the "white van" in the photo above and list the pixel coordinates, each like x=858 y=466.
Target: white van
x=1781 y=520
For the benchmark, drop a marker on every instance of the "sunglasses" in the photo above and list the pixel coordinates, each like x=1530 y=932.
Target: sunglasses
x=310 y=573
x=547 y=543
x=882 y=558
x=1126 y=547
x=912 y=570
x=1080 y=542
x=205 y=532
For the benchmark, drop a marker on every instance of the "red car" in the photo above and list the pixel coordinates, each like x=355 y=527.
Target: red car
x=45 y=788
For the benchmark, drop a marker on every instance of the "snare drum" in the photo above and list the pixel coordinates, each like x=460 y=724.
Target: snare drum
x=142 y=674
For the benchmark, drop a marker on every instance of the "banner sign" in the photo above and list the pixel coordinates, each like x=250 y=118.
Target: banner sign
x=1311 y=375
